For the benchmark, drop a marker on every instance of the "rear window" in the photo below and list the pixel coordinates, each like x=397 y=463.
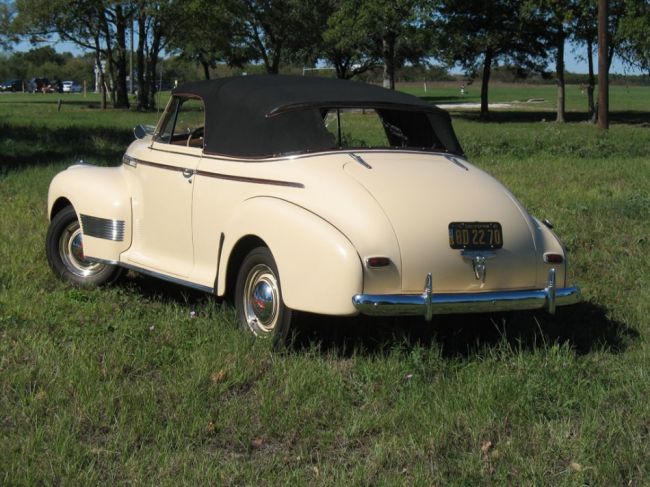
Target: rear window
x=352 y=128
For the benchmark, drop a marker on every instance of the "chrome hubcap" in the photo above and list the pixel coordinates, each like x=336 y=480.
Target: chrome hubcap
x=71 y=250
x=261 y=300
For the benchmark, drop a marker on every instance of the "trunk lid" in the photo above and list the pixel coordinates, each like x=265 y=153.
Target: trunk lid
x=421 y=194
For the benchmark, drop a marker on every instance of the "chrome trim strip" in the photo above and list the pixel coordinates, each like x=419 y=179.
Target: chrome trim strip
x=162 y=166
x=101 y=261
x=360 y=160
x=245 y=179
x=130 y=161
x=428 y=304
x=456 y=160
x=187 y=173
x=94 y=226
x=222 y=238
x=306 y=155
x=428 y=297
x=164 y=277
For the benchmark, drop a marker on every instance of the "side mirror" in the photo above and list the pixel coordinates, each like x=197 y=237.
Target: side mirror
x=142 y=131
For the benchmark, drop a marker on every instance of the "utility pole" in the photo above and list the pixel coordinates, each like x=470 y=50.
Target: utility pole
x=603 y=82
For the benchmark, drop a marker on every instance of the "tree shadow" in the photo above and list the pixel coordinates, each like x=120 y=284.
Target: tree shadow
x=446 y=99
x=529 y=116
x=585 y=327
x=65 y=100
x=24 y=146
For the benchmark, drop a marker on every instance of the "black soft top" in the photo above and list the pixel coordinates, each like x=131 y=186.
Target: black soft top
x=266 y=115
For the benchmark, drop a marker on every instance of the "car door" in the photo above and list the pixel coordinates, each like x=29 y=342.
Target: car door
x=162 y=200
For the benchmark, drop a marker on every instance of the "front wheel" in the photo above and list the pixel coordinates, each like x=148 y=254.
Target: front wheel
x=258 y=297
x=65 y=253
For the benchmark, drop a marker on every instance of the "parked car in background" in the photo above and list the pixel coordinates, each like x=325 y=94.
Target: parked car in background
x=38 y=85
x=307 y=194
x=71 y=87
x=12 y=85
x=55 y=86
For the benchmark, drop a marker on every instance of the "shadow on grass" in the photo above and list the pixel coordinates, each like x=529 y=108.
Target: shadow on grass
x=447 y=99
x=65 y=100
x=528 y=116
x=23 y=146
x=585 y=327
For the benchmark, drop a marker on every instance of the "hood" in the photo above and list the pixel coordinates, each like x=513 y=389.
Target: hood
x=420 y=194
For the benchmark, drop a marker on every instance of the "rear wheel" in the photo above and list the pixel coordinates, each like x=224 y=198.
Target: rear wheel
x=65 y=253
x=258 y=297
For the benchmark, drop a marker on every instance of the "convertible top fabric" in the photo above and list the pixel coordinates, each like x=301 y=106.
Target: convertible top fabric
x=266 y=115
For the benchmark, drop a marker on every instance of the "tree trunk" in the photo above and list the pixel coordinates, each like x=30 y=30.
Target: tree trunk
x=591 y=82
x=274 y=67
x=604 y=61
x=487 y=71
x=152 y=64
x=143 y=87
x=206 y=68
x=100 y=70
x=110 y=62
x=388 y=53
x=559 y=73
x=121 y=89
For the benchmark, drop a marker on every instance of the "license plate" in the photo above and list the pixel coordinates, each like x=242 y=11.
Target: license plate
x=475 y=235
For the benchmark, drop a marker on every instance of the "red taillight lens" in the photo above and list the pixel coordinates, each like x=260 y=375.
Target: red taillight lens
x=553 y=258
x=378 y=261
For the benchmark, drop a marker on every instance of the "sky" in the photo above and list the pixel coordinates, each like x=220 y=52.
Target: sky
x=574 y=55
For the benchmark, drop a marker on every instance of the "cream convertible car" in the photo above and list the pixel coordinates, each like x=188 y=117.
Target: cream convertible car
x=308 y=194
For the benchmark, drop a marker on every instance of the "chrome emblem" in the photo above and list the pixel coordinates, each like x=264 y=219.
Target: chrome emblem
x=479 y=262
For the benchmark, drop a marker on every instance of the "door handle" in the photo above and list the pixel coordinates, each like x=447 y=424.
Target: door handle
x=188 y=173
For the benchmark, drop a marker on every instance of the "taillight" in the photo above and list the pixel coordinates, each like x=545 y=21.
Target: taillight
x=378 y=262
x=551 y=258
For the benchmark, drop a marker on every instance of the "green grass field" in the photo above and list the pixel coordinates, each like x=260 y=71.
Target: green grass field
x=122 y=385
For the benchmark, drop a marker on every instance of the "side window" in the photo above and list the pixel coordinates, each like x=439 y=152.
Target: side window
x=356 y=128
x=183 y=123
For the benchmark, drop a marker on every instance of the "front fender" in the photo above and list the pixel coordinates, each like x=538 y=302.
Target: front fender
x=320 y=270
x=100 y=198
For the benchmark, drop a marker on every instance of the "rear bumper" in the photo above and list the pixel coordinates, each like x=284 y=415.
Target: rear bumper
x=428 y=304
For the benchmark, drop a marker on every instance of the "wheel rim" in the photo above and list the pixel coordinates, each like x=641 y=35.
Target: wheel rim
x=72 y=254
x=261 y=300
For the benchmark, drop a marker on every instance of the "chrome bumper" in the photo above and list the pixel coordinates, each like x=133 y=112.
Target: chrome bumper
x=428 y=304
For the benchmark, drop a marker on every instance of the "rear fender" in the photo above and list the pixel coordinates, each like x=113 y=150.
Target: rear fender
x=319 y=268
x=100 y=198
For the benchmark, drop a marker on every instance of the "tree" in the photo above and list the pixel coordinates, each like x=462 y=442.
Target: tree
x=634 y=34
x=479 y=34
x=396 y=27
x=273 y=30
x=103 y=30
x=347 y=43
x=557 y=15
x=584 y=31
x=7 y=14
x=217 y=38
x=156 y=23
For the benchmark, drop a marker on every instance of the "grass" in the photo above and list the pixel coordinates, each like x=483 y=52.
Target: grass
x=122 y=385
